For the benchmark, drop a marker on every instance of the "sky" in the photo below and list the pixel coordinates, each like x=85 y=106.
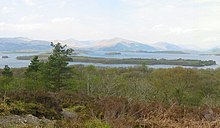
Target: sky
x=191 y=23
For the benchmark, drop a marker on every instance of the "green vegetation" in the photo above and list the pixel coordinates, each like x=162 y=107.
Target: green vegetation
x=211 y=54
x=34 y=65
x=88 y=97
x=7 y=72
x=96 y=124
x=181 y=62
x=113 y=53
x=56 y=72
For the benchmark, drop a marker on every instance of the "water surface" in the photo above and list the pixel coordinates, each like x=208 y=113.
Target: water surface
x=13 y=62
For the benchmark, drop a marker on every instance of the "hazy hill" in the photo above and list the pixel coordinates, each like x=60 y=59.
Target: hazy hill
x=21 y=44
x=119 y=44
x=77 y=44
x=164 y=46
x=215 y=50
x=114 y=44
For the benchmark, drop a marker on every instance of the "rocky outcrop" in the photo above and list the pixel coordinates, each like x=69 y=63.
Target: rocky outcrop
x=15 y=120
x=68 y=115
x=208 y=114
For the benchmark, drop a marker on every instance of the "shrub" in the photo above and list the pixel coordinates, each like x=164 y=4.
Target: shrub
x=95 y=123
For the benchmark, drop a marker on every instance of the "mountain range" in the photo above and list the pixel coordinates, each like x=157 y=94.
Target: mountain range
x=21 y=44
x=215 y=50
x=164 y=46
x=120 y=44
x=114 y=44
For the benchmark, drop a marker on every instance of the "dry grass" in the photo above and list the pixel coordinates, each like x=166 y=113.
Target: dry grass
x=177 y=117
x=122 y=113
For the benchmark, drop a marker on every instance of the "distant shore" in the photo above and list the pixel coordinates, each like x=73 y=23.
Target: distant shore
x=180 y=62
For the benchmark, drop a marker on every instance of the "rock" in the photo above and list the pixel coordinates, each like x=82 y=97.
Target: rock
x=11 y=119
x=68 y=115
x=208 y=114
x=30 y=119
x=15 y=120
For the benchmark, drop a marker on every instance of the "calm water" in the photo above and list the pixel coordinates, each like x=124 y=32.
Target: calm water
x=12 y=62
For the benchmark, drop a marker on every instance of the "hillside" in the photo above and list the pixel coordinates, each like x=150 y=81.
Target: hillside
x=76 y=44
x=51 y=94
x=164 y=46
x=22 y=44
x=119 y=44
x=114 y=44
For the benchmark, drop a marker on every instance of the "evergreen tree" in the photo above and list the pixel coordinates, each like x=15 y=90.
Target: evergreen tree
x=34 y=77
x=34 y=66
x=56 y=71
x=6 y=80
x=7 y=71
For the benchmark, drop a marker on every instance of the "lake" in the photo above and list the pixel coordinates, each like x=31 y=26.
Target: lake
x=13 y=62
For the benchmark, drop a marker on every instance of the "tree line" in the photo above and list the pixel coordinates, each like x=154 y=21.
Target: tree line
x=182 y=85
x=52 y=74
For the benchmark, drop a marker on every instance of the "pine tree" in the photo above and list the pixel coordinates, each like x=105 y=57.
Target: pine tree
x=34 y=66
x=7 y=71
x=7 y=78
x=56 y=70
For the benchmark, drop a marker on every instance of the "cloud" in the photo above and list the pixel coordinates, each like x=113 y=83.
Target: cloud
x=177 y=30
x=29 y=2
x=63 y=3
x=6 y=10
x=205 y=1
x=27 y=24
x=31 y=18
x=142 y=3
x=177 y=21
x=63 y=20
x=19 y=27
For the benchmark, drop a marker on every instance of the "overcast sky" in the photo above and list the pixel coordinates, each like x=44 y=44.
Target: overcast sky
x=184 y=22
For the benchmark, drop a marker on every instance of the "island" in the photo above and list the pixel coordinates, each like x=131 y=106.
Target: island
x=4 y=57
x=113 y=53
x=162 y=52
x=180 y=61
x=210 y=54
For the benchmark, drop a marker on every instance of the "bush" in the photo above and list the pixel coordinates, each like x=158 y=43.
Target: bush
x=95 y=123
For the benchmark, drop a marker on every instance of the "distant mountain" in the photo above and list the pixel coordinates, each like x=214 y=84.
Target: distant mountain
x=115 y=44
x=164 y=46
x=119 y=44
x=22 y=44
x=215 y=49
x=77 y=44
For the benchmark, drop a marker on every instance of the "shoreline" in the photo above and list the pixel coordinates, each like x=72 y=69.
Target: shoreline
x=178 y=62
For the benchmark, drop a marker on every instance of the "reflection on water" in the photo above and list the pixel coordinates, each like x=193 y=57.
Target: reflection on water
x=12 y=62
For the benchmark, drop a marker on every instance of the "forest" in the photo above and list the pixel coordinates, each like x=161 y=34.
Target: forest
x=95 y=97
